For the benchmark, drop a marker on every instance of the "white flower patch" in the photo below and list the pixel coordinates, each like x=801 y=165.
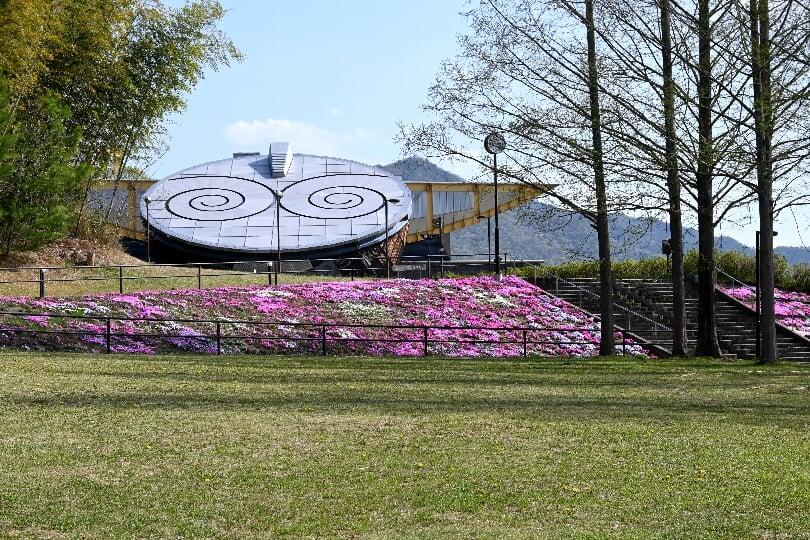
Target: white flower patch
x=95 y=310
x=493 y=298
x=169 y=326
x=286 y=328
x=389 y=292
x=273 y=293
x=63 y=306
x=354 y=309
x=344 y=333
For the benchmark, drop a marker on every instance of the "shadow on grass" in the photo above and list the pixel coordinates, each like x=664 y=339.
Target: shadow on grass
x=605 y=373
x=548 y=389
x=793 y=413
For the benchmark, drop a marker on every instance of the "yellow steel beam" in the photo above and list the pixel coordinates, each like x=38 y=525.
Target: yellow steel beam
x=141 y=183
x=520 y=194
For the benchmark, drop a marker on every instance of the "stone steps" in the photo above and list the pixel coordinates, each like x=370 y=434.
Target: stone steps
x=652 y=303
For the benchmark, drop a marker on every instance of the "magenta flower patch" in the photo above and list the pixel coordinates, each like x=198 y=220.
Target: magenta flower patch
x=792 y=308
x=465 y=317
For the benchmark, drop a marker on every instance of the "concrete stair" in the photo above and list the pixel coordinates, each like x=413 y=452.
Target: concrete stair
x=632 y=316
x=644 y=307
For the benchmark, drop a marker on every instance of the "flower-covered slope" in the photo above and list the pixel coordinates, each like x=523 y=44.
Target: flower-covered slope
x=286 y=312
x=792 y=308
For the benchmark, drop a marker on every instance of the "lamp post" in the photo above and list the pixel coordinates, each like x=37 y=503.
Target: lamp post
x=147 y=200
x=278 y=234
x=489 y=239
x=494 y=144
x=387 y=253
x=666 y=250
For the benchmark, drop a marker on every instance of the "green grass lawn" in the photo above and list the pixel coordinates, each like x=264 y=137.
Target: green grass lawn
x=116 y=446
x=76 y=281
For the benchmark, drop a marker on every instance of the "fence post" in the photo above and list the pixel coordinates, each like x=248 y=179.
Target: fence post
x=624 y=344
x=323 y=340
x=219 y=338
x=120 y=279
x=269 y=274
x=428 y=267
x=441 y=267
x=524 y=343
x=107 y=335
x=425 y=340
x=42 y=283
x=199 y=277
x=534 y=274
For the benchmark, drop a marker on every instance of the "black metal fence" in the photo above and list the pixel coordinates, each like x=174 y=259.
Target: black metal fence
x=111 y=334
x=205 y=274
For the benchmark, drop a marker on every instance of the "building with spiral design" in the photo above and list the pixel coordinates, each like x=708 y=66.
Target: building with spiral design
x=252 y=206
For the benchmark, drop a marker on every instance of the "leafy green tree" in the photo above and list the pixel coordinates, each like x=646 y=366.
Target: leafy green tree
x=156 y=58
x=31 y=31
x=112 y=71
x=37 y=177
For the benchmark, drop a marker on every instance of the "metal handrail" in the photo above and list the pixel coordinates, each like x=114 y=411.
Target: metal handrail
x=734 y=279
x=108 y=334
x=422 y=258
x=615 y=305
x=123 y=318
x=433 y=265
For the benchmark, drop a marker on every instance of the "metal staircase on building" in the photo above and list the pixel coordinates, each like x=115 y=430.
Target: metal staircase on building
x=645 y=308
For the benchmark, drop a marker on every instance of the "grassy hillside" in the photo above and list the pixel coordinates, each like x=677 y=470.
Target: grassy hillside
x=465 y=317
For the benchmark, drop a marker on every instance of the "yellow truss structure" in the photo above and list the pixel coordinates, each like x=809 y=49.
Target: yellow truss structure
x=424 y=221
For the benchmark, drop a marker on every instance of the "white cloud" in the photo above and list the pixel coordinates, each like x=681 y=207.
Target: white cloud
x=304 y=138
x=335 y=112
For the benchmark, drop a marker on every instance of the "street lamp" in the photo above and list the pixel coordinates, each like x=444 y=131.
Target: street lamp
x=489 y=239
x=757 y=308
x=494 y=144
x=147 y=200
x=278 y=195
x=666 y=250
x=387 y=253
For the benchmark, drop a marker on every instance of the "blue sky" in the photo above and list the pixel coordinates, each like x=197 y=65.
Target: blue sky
x=331 y=77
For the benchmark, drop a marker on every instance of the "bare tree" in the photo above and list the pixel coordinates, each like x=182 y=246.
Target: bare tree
x=679 y=336
x=770 y=109
x=524 y=71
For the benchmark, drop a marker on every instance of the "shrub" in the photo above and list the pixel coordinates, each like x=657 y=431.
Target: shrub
x=734 y=263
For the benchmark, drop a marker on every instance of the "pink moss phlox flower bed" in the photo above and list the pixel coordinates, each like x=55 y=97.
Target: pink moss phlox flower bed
x=792 y=308
x=469 y=302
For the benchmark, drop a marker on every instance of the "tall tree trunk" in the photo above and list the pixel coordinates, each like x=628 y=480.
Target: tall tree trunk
x=707 y=344
x=679 y=337
x=763 y=126
x=607 y=343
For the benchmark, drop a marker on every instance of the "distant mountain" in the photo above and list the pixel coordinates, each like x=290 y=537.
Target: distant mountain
x=542 y=231
x=795 y=255
x=414 y=168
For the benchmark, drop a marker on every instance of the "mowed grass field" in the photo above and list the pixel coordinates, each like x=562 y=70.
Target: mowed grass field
x=122 y=446
x=77 y=281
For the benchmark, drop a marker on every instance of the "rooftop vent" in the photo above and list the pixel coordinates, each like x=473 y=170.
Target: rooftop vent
x=280 y=159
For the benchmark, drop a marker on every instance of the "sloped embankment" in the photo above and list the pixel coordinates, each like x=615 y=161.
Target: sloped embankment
x=466 y=318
